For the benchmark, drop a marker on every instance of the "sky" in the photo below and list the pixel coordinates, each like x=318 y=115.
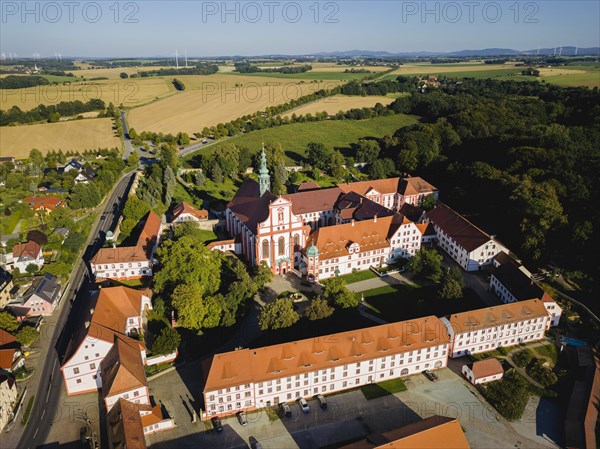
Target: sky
x=210 y=28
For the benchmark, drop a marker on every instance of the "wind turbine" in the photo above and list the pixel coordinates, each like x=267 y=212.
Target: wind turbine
x=576 y=51
x=560 y=51
x=185 y=53
x=59 y=57
x=177 y=59
x=3 y=56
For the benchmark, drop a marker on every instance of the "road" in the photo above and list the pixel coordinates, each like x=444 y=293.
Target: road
x=70 y=313
x=187 y=150
x=126 y=140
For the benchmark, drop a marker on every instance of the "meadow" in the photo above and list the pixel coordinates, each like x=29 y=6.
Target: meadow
x=337 y=103
x=338 y=134
x=220 y=98
x=75 y=135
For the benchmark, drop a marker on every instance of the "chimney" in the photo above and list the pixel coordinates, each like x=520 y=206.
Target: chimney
x=375 y=219
x=352 y=222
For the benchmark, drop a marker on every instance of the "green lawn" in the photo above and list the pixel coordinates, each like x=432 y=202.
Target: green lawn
x=339 y=134
x=358 y=276
x=374 y=391
x=402 y=302
x=548 y=350
x=62 y=79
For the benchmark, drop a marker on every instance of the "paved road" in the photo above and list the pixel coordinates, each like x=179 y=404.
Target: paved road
x=187 y=150
x=70 y=312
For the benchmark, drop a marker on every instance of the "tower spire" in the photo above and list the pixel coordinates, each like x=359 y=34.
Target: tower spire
x=264 y=180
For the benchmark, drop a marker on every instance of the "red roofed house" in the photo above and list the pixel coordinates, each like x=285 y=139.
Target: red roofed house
x=22 y=255
x=483 y=371
x=468 y=245
x=183 y=212
x=10 y=352
x=129 y=262
x=44 y=203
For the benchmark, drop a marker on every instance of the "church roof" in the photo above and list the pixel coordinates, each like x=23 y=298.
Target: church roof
x=249 y=206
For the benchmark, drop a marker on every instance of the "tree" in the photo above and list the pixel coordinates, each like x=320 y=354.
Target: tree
x=134 y=159
x=216 y=174
x=200 y=179
x=37 y=236
x=27 y=335
x=452 y=284
x=318 y=155
x=187 y=301
x=318 y=309
x=523 y=358
x=187 y=261
x=135 y=208
x=367 y=151
x=123 y=75
x=429 y=202
x=8 y=322
x=277 y=315
x=262 y=275
x=427 y=263
x=31 y=268
x=335 y=292
x=166 y=342
x=169 y=157
x=84 y=196
x=127 y=225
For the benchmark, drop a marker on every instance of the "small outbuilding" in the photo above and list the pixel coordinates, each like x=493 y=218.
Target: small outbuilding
x=483 y=371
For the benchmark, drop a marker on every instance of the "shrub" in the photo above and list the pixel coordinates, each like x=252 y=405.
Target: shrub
x=523 y=358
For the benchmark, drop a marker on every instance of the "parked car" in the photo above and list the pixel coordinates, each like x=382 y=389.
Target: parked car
x=242 y=418
x=431 y=376
x=216 y=422
x=303 y=405
x=204 y=141
x=322 y=402
x=255 y=444
x=285 y=409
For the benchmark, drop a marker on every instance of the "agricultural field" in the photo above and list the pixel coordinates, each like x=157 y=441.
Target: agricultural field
x=130 y=92
x=337 y=103
x=75 y=135
x=338 y=134
x=112 y=73
x=220 y=98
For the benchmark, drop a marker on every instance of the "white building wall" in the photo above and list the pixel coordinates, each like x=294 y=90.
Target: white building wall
x=324 y=381
x=501 y=291
x=464 y=343
x=82 y=372
x=160 y=426
x=481 y=380
x=122 y=270
x=137 y=396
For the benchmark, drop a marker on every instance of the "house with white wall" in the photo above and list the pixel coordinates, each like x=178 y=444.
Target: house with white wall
x=247 y=379
x=39 y=300
x=482 y=371
x=468 y=245
x=184 y=212
x=486 y=329
x=22 y=255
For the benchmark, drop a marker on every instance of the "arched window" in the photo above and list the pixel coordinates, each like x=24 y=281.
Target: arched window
x=438 y=364
x=296 y=243
x=265 y=249
x=281 y=244
x=404 y=372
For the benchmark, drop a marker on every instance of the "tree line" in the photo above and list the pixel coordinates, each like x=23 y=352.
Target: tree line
x=197 y=70
x=245 y=67
x=22 y=82
x=51 y=113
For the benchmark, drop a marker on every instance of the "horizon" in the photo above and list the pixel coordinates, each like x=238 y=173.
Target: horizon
x=245 y=29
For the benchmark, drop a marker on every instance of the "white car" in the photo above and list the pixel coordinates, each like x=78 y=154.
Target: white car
x=303 y=405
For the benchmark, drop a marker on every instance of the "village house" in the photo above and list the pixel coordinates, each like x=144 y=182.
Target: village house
x=486 y=329
x=85 y=176
x=129 y=262
x=483 y=371
x=246 y=379
x=44 y=204
x=184 y=212
x=23 y=255
x=11 y=357
x=468 y=245
x=8 y=399
x=6 y=286
x=40 y=299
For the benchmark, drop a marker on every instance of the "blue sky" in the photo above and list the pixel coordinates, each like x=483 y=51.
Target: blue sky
x=155 y=28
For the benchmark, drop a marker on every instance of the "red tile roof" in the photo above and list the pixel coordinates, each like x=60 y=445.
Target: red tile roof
x=415 y=186
x=487 y=367
x=185 y=208
x=249 y=206
x=125 y=430
x=29 y=249
x=461 y=230
x=122 y=369
x=46 y=202
x=390 y=185
x=313 y=200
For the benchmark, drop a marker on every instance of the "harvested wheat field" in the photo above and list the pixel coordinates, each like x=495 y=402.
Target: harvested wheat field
x=343 y=68
x=416 y=69
x=333 y=105
x=76 y=135
x=210 y=100
x=113 y=73
x=130 y=92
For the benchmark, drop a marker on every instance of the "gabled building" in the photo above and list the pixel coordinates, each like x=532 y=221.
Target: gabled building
x=11 y=357
x=72 y=165
x=124 y=425
x=482 y=371
x=184 y=212
x=40 y=300
x=468 y=245
x=23 y=255
x=129 y=262
x=44 y=204
x=8 y=399
x=359 y=245
x=85 y=176
x=254 y=378
x=6 y=286
x=114 y=313
x=512 y=282
x=489 y=328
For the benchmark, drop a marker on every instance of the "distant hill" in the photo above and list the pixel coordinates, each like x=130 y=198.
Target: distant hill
x=486 y=52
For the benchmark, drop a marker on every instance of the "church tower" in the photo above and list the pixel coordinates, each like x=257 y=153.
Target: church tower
x=264 y=180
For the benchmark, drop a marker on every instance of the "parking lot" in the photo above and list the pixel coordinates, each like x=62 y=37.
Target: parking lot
x=350 y=416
